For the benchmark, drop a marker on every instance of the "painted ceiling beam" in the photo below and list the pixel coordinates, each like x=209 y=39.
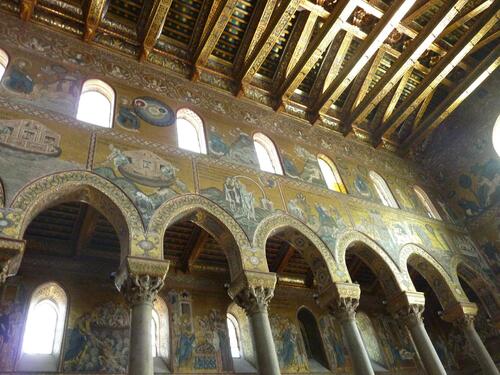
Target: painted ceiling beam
x=215 y=27
x=277 y=25
x=298 y=35
x=404 y=29
x=420 y=11
x=200 y=25
x=150 y=25
x=85 y=228
x=194 y=248
x=407 y=59
x=285 y=259
x=440 y=71
x=485 y=41
x=363 y=54
x=370 y=76
x=257 y=25
x=467 y=17
x=94 y=12
x=331 y=64
x=423 y=108
x=487 y=66
x=397 y=91
x=315 y=49
x=26 y=9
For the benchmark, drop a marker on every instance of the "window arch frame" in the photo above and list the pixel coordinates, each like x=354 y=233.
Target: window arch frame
x=103 y=88
x=4 y=62
x=199 y=126
x=53 y=293
x=383 y=190
x=271 y=151
x=339 y=183
x=495 y=136
x=429 y=206
x=231 y=319
x=162 y=333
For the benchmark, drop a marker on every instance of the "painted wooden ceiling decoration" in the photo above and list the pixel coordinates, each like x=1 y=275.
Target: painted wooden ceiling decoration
x=387 y=71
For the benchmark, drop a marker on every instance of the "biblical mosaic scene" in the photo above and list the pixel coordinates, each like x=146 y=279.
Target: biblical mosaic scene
x=249 y=187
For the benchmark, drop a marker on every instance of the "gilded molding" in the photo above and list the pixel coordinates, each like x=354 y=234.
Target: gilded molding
x=11 y=252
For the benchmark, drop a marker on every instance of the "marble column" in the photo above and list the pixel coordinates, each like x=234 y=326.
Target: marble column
x=466 y=323
x=342 y=300
x=413 y=319
x=254 y=295
x=408 y=308
x=462 y=315
x=140 y=280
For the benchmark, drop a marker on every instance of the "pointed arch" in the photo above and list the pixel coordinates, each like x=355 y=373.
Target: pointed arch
x=383 y=190
x=486 y=290
x=216 y=221
x=388 y=273
x=4 y=62
x=432 y=211
x=446 y=289
x=304 y=239
x=88 y=187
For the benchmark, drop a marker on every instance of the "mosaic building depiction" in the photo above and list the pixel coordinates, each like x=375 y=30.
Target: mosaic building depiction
x=249 y=187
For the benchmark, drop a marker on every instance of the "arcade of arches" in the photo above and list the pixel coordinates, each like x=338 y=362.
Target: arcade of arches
x=152 y=223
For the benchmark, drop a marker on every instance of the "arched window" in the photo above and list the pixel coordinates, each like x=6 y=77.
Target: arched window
x=44 y=329
x=267 y=154
x=97 y=100
x=234 y=336
x=383 y=190
x=496 y=135
x=160 y=334
x=331 y=174
x=432 y=212
x=190 y=131
x=311 y=337
x=4 y=61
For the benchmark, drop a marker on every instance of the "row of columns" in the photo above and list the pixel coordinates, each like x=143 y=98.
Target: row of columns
x=140 y=280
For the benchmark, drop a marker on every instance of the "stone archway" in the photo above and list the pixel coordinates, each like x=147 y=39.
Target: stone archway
x=90 y=188
x=216 y=221
x=447 y=291
x=482 y=287
x=393 y=281
x=306 y=241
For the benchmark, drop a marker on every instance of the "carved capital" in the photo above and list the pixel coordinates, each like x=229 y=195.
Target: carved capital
x=461 y=314
x=340 y=299
x=344 y=308
x=408 y=307
x=254 y=299
x=4 y=272
x=253 y=291
x=140 y=279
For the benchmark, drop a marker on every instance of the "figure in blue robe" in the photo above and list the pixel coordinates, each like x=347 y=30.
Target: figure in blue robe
x=18 y=80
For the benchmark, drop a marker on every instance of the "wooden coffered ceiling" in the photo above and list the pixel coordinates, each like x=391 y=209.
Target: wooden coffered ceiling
x=387 y=71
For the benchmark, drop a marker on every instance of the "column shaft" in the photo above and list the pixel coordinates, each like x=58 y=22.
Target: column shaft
x=141 y=351
x=360 y=360
x=265 y=350
x=426 y=351
x=482 y=355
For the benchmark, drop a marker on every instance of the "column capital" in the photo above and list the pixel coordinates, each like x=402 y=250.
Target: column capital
x=461 y=314
x=11 y=251
x=408 y=306
x=140 y=279
x=253 y=290
x=340 y=299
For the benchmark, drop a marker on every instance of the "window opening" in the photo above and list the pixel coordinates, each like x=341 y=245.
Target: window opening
x=330 y=174
x=267 y=154
x=4 y=61
x=96 y=103
x=190 y=131
x=234 y=336
x=383 y=190
x=432 y=212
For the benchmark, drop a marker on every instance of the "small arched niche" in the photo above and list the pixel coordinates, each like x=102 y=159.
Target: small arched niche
x=313 y=342
x=240 y=338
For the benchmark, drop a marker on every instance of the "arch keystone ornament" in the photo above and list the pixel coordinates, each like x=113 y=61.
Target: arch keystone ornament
x=342 y=300
x=11 y=252
x=140 y=280
x=408 y=307
x=253 y=291
x=462 y=316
